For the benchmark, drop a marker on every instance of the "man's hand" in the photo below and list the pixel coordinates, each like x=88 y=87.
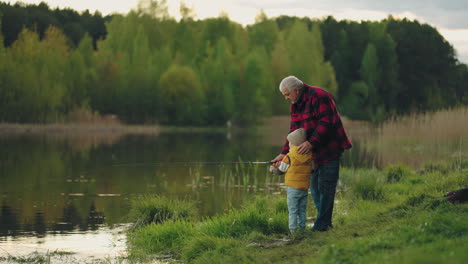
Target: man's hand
x=304 y=148
x=277 y=161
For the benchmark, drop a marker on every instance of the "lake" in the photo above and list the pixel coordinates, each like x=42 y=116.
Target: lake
x=70 y=191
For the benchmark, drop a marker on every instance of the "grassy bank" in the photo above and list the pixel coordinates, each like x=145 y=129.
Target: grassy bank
x=381 y=216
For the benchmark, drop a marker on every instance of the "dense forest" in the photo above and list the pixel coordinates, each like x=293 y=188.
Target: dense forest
x=148 y=67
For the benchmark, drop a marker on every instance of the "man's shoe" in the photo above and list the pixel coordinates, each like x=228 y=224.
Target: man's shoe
x=322 y=229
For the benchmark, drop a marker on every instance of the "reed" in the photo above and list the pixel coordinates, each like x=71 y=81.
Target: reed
x=414 y=139
x=443 y=124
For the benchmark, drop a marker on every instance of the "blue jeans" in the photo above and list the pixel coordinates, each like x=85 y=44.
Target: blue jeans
x=297 y=203
x=323 y=183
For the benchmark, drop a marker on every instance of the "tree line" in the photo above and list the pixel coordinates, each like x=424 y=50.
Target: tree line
x=147 y=67
x=38 y=18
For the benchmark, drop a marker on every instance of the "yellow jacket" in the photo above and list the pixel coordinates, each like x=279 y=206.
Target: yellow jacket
x=300 y=167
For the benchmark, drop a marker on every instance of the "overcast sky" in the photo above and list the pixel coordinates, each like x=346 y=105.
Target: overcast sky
x=450 y=17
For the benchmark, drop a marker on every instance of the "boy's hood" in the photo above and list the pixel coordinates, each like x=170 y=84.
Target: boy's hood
x=300 y=157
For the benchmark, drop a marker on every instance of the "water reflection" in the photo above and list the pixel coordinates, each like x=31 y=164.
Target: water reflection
x=48 y=184
x=8 y=222
x=101 y=246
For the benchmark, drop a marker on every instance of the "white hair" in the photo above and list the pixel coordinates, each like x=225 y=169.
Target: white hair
x=290 y=82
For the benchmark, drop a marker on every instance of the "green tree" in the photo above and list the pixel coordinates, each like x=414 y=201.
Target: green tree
x=340 y=60
x=183 y=96
x=35 y=82
x=345 y=42
x=425 y=59
x=135 y=67
x=385 y=85
x=460 y=80
x=217 y=81
x=104 y=93
x=13 y=21
x=264 y=33
x=4 y=90
x=306 y=52
x=216 y=28
x=187 y=42
x=255 y=89
x=82 y=74
x=39 y=17
x=280 y=67
x=353 y=102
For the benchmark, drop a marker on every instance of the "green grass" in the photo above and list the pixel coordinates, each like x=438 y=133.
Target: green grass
x=161 y=239
x=201 y=245
x=394 y=215
x=366 y=184
x=396 y=173
x=190 y=239
x=155 y=209
x=239 y=223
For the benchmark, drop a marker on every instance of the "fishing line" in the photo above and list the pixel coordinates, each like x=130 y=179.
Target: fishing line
x=190 y=164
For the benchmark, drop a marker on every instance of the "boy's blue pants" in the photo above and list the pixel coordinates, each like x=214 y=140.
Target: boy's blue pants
x=297 y=204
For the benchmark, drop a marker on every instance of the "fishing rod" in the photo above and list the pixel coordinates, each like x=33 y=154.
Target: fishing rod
x=191 y=164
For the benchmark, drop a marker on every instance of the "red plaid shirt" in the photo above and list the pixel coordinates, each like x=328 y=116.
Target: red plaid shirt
x=316 y=112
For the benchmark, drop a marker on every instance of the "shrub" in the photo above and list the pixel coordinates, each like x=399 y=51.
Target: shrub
x=84 y=115
x=183 y=96
x=154 y=209
x=368 y=189
x=240 y=223
x=395 y=173
x=367 y=185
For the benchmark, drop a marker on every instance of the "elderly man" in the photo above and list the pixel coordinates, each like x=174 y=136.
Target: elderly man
x=314 y=110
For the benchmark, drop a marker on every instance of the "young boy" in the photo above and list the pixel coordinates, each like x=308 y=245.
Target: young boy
x=298 y=168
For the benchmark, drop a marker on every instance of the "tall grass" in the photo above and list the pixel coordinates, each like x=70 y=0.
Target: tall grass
x=156 y=209
x=240 y=223
x=366 y=184
x=395 y=173
x=166 y=238
x=417 y=138
x=448 y=123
